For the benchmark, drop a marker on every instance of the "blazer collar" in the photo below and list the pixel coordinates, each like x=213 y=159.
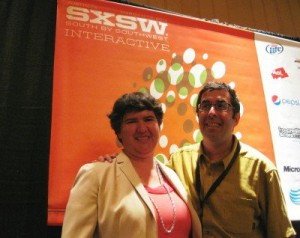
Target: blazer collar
x=127 y=168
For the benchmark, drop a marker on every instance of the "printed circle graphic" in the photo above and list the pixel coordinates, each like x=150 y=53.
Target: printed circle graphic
x=189 y=56
x=147 y=74
x=175 y=74
x=183 y=92
x=182 y=109
x=162 y=158
x=163 y=141
x=241 y=109
x=238 y=135
x=193 y=100
x=197 y=136
x=157 y=88
x=232 y=85
x=218 y=70
x=161 y=66
x=171 y=97
x=197 y=75
x=188 y=126
x=173 y=148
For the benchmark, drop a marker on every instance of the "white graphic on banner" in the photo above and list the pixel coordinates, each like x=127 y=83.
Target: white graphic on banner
x=279 y=62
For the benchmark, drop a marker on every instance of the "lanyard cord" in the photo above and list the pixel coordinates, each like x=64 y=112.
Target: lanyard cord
x=216 y=183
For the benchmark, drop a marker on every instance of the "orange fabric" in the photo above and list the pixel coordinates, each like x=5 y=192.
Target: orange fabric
x=98 y=58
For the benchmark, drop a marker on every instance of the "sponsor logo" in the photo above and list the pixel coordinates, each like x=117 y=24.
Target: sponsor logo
x=109 y=19
x=285 y=101
x=279 y=73
x=295 y=194
x=291 y=169
x=274 y=49
x=276 y=100
x=289 y=133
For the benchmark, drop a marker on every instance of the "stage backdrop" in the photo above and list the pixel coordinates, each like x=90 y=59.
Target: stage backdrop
x=105 y=49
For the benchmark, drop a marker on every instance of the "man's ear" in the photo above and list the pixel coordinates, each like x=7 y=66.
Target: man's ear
x=236 y=118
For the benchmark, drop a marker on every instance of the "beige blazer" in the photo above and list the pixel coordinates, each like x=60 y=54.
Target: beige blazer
x=109 y=200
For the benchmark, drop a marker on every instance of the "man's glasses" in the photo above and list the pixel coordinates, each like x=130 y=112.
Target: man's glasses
x=220 y=106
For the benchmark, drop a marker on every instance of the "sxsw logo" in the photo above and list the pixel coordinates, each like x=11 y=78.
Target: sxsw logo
x=279 y=73
x=110 y=19
x=291 y=102
x=274 y=49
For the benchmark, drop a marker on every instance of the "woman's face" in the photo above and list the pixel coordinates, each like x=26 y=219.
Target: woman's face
x=139 y=134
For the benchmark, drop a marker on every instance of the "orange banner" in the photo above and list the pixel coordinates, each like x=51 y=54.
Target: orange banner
x=105 y=49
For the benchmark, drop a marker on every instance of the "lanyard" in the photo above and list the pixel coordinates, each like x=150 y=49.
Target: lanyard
x=216 y=183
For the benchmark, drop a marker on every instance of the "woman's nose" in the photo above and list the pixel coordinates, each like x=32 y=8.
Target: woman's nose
x=142 y=126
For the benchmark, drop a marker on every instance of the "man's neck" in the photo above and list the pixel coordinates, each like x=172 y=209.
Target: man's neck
x=217 y=151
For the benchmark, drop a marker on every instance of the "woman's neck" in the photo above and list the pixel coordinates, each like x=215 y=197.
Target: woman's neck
x=147 y=171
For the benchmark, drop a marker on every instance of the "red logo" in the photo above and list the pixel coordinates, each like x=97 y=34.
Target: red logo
x=279 y=73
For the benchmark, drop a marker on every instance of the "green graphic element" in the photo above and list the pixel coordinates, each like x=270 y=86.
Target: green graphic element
x=161 y=62
x=161 y=158
x=183 y=91
x=199 y=137
x=159 y=85
x=175 y=74
x=193 y=79
x=170 y=98
x=194 y=102
x=143 y=90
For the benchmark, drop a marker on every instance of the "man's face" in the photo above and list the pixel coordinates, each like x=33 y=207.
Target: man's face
x=139 y=134
x=215 y=122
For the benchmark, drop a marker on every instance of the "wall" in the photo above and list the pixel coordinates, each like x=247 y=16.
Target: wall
x=276 y=16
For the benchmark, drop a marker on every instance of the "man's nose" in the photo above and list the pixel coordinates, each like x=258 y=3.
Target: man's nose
x=212 y=109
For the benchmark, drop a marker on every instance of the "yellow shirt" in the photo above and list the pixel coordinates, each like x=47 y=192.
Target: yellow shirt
x=248 y=202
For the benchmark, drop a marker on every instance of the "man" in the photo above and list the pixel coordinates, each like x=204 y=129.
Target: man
x=235 y=188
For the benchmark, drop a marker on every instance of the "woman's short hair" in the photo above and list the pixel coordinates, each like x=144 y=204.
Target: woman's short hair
x=133 y=102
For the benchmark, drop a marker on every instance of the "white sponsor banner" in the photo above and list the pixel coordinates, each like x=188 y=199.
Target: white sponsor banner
x=279 y=61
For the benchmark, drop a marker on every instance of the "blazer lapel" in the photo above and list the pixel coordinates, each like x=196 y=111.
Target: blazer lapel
x=132 y=176
x=173 y=179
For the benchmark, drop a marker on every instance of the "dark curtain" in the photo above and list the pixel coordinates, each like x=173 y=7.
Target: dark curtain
x=26 y=69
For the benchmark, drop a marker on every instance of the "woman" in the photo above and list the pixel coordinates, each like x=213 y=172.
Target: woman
x=135 y=196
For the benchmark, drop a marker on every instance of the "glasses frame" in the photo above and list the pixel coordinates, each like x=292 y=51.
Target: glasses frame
x=200 y=109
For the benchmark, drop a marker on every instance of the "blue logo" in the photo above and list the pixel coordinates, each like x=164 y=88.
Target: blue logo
x=274 y=49
x=295 y=195
x=285 y=101
x=276 y=100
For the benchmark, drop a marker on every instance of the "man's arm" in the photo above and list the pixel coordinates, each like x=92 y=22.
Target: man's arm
x=108 y=157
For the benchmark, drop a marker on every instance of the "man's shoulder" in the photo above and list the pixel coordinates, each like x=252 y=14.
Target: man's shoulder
x=188 y=148
x=186 y=155
x=250 y=153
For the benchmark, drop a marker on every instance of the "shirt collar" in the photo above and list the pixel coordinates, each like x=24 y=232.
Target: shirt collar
x=226 y=159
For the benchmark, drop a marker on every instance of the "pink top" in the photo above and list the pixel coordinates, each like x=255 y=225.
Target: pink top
x=161 y=199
